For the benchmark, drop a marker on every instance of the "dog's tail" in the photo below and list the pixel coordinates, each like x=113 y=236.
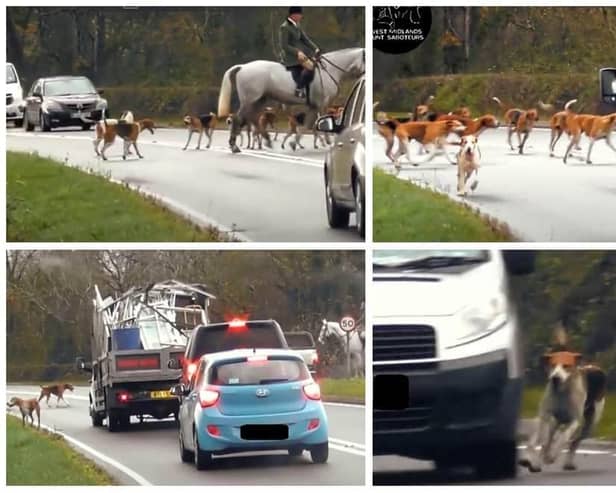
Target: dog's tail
x=226 y=91
x=428 y=101
x=545 y=106
x=499 y=102
x=569 y=103
x=559 y=338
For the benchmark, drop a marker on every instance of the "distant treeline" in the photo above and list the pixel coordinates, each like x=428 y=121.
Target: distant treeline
x=526 y=40
x=49 y=295
x=170 y=46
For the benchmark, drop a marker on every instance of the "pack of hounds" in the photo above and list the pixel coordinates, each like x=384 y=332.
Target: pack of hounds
x=431 y=129
x=29 y=407
x=129 y=129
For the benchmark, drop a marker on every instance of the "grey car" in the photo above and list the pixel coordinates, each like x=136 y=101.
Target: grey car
x=62 y=102
x=345 y=162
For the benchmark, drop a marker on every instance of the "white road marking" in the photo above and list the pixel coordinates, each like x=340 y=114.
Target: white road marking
x=579 y=451
x=348 y=444
x=344 y=404
x=347 y=450
x=140 y=480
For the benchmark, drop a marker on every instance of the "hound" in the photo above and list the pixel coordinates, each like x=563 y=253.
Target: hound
x=558 y=124
x=519 y=121
x=474 y=126
x=57 y=390
x=468 y=163
x=594 y=126
x=296 y=124
x=200 y=124
x=426 y=133
x=571 y=407
x=265 y=120
x=27 y=407
x=129 y=130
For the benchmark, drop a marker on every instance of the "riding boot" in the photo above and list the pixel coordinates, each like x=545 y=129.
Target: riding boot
x=300 y=92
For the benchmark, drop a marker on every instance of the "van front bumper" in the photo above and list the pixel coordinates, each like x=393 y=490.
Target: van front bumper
x=451 y=404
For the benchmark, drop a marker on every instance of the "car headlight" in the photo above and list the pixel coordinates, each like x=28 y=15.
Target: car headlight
x=478 y=321
x=51 y=106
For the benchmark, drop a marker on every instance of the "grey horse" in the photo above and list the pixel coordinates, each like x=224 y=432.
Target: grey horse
x=259 y=82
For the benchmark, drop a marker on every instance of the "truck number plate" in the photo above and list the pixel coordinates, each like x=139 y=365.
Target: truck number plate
x=160 y=394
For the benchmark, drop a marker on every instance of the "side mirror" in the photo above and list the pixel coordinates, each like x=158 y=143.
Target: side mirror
x=37 y=95
x=174 y=364
x=100 y=91
x=83 y=366
x=179 y=390
x=326 y=124
x=519 y=262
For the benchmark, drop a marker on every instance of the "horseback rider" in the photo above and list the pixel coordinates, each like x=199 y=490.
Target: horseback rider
x=297 y=49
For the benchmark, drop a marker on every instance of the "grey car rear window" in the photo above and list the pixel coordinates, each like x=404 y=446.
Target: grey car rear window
x=260 y=372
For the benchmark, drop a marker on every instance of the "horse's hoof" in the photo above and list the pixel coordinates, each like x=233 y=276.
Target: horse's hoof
x=140 y=156
x=569 y=467
x=588 y=161
x=235 y=149
x=124 y=158
x=474 y=185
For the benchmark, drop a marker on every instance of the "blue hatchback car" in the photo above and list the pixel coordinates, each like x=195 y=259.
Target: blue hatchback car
x=251 y=400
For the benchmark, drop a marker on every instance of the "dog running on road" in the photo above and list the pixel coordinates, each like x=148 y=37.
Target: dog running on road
x=202 y=124
x=519 y=121
x=27 y=407
x=468 y=163
x=126 y=128
x=57 y=390
x=572 y=405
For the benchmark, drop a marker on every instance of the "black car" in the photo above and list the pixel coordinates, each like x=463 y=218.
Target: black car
x=235 y=334
x=62 y=102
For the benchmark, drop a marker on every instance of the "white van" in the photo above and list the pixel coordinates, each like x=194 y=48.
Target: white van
x=14 y=96
x=447 y=359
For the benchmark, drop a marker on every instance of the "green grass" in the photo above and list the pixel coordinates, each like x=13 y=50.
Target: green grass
x=606 y=429
x=351 y=389
x=406 y=212
x=47 y=201
x=40 y=458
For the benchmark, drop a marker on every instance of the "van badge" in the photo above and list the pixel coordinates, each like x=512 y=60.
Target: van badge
x=262 y=392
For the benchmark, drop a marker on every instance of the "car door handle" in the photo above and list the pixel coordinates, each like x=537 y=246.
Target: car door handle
x=352 y=141
x=340 y=144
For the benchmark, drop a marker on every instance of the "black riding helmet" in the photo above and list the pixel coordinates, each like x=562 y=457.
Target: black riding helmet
x=295 y=10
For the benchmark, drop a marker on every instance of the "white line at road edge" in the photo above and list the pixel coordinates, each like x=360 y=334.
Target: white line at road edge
x=140 y=480
x=343 y=404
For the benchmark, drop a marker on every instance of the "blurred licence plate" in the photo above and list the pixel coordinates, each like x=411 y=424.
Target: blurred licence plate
x=80 y=114
x=160 y=394
x=391 y=392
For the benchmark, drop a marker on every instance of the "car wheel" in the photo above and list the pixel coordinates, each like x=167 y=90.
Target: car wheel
x=28 y=127
x=44 y=123
x=360 y=214
x=203 y=459
x=320 y=453
x=18 y=123
x=86 y=126
x=336 y=216
x=185 y=455
x=498 y=461
x=296 y=451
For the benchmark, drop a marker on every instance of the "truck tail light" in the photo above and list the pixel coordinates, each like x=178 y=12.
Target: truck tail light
x=123 y=397
x=191 y=368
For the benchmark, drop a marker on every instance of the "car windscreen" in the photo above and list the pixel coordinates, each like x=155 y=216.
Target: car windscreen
x=259 y=372
x=214 y=339
x=66 y=87
x=11 y=75
x=388 y=259
x=299 y=341
x=608 y=82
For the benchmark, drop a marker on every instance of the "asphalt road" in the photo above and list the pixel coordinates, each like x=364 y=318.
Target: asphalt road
x=150 y=450
x=596 y=466
x=273 y=195
x=541 y=198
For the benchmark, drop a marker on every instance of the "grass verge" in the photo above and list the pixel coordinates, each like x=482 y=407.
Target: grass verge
x=406 y=212
x=36 y=457
x=606 y=429
x=47 y=201
x=343 y=389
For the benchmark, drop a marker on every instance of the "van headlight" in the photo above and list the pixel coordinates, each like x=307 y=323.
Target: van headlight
x=481 y=320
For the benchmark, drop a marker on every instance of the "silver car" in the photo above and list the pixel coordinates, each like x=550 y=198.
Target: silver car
x=345 y=162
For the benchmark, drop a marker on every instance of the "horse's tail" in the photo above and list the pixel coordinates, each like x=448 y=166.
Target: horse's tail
x=226 y=90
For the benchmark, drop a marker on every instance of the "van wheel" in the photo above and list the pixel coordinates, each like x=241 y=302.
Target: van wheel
x=203 y=459
x=336 y=215
x=360 y=213
x=498 y=461
x=320 y=453
x=28 y=127
x=185 y=455
x=296 y=451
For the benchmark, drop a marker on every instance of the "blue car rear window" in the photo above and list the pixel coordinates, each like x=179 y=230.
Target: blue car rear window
x=259 y=372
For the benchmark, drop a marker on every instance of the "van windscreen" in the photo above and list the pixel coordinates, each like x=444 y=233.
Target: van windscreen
x=217 y=338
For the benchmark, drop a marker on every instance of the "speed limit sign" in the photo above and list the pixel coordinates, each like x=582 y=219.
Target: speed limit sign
x=347 y=324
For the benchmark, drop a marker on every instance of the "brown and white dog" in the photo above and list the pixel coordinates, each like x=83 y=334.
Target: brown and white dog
x=126 y=128
x=594 y=126
x=519 y=121
x=468 y=163
x=558 y=124
x=474 y=126
x=431 y=134
x=297 y=123
x=572 y=405
x=57 y=390
x=27 y=407
x=202 y=124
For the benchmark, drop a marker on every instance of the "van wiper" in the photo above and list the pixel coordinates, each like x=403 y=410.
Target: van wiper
x=433 y=262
